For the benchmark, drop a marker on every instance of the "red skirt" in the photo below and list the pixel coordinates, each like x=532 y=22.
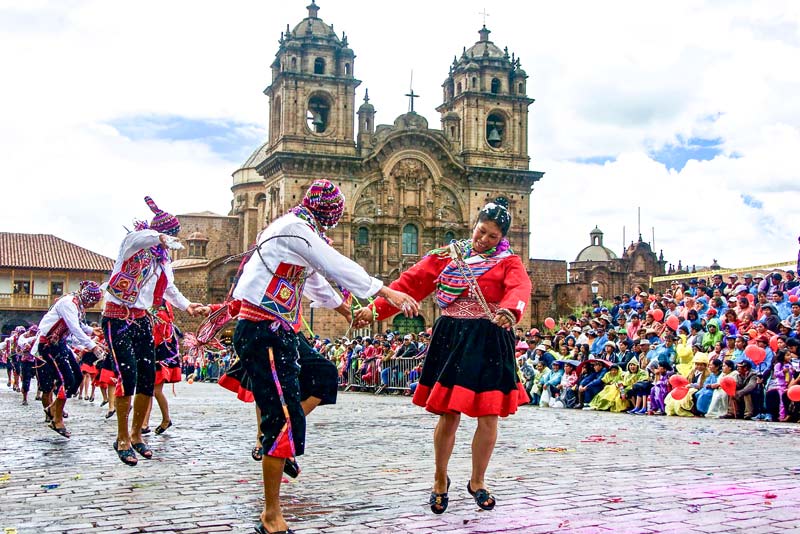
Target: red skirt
x=168 y=375
x=105 y=378
x=91 y=370
x=233 y=384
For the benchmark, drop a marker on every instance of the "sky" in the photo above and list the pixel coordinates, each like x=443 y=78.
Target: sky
x=688 y=110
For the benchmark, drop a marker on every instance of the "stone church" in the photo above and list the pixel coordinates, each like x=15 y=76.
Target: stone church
x=409 y=187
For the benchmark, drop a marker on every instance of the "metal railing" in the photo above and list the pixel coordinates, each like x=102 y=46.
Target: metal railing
x=393 y=375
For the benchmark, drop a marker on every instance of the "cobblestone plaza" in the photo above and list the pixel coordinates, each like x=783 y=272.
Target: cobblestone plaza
x=369 y=469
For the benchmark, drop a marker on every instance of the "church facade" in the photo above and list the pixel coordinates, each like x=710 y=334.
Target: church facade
x=409 y=187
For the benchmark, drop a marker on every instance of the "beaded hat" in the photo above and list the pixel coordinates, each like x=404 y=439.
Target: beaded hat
x=163 y=222
x=326 y=201
x=90 y=292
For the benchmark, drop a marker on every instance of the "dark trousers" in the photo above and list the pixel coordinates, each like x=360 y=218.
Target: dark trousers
x=61 y=369
x=269 y=358
x=27 y=373
x=134 y=354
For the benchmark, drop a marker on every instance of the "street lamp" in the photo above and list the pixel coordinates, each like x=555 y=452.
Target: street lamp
x=595 y=288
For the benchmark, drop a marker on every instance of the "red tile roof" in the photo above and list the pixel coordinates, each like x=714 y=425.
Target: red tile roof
x=45 y=251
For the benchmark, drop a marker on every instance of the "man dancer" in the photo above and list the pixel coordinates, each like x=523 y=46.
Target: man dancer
x=291 y=255
x=26 y=360
x=142 y=276
x=60 y=370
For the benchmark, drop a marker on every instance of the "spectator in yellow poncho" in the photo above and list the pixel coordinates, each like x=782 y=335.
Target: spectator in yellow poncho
x=610 y=397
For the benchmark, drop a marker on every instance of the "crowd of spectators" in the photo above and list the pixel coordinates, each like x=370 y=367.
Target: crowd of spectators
x=702 y=348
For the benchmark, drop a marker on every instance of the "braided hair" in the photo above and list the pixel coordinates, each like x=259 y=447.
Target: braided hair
x=498 y=213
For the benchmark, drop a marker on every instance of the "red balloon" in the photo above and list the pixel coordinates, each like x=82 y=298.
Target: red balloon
x=793 y=298
x=550 y=323
x=755 y=353
x=750 y=298
x=680 y=393
x=773 y=343
x=673 y=322
x=658 y=315
x=752 y=333
x=728 y=385
x=678 y=381
x=794 y=393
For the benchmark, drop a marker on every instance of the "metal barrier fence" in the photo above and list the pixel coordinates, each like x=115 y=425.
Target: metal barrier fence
x=374 y=375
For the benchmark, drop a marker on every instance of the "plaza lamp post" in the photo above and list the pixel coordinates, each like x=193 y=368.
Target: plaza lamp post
x=595 y=288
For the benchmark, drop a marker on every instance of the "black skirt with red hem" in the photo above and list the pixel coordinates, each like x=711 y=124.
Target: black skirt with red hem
x=470 y=369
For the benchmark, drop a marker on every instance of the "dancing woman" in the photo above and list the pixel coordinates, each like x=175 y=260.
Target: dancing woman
x=482 y=289
x=291 y=257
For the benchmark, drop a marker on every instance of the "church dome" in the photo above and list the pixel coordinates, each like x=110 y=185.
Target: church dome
x=313 y=26
x=596 y=251
x=197 y=236
x=482 y=51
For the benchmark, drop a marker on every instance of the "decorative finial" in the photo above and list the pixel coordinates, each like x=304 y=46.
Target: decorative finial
x=485 y=14
x=366 y=95
x=313 y=9
x=411 y=95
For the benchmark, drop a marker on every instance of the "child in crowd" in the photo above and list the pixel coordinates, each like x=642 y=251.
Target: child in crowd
x=660 y=389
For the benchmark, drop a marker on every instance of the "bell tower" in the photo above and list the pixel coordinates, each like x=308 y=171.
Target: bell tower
x=485 y=108
x=312 y=94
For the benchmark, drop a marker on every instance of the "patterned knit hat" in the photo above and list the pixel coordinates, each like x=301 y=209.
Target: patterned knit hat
x=20 y=330
x=163 y=222
x=325 y=201
x=89 y=292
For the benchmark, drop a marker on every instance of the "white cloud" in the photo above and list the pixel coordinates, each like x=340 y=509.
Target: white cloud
x=618 y=80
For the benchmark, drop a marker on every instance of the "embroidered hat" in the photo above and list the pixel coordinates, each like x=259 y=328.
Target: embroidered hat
x=89 y=293
x=163 y=222
x=326 y=201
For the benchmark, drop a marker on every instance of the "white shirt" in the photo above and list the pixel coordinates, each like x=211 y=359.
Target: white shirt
x=133 y=243
x=66 y=310
x=304 y=248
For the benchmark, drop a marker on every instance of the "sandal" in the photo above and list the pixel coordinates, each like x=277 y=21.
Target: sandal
x=291 y=467
x=63 y=430
x=482 y=496
x=91 y=399
x=257 y=453
x=161 y=429
x=103 y=403
x=48 y=415
x=143 y=450
x=439 y=501
x=261 y=529
x=128 y=457
x=110 y=414
x=146 y=430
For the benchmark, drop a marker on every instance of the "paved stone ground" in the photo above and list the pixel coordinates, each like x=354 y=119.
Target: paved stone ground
x=369 y=468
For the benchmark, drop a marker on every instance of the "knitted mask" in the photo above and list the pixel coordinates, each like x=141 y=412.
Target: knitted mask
x=163 y=222
x=325 y=201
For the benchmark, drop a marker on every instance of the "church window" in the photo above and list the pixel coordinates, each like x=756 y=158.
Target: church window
x=318 y=113
x=495 y=86
x=495 y=130
x=474 y=82
x=294 y=63
x=449 y=236
x=452 y=132
x=363 y=236
x=319 y=66
x=458 y=88
x=410 y=238
x=521 y=88
x=347 y=69
x=197 y=249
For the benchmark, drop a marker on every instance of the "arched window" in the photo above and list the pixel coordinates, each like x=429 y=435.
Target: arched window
x=319 y=66
x=458 y=88
x=363 y=236
x=448 y=236
x=495 y=130
x=317 y=116
x=410 y=237
x=294 y=63
x=347 y=69
x=474 y=82
x=495 y=86
x=521 y=88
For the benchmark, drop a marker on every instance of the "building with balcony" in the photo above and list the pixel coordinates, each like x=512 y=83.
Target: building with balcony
x=37 y=269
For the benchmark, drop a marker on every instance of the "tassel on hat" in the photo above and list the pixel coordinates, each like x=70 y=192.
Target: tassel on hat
x=163 y=222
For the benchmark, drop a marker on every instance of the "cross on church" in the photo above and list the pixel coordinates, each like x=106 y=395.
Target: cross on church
x=485 y=14
x=411 y=95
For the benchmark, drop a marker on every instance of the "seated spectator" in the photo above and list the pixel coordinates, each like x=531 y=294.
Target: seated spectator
x=569 y=384
x=592 y=381
x=702 y=398
x=540 y=377
x=637 y=387
x=660 y=388
x=550 y=385
x=610 y=397
x=740 y=405
x=777 y=384
x=685 y=407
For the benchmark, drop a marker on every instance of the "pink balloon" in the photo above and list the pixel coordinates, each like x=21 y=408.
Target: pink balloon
x=550 y=323
x=678 y=381
x=673 y=322
x=658 y=315
x=794 y=393
x=755 y=353
x=680 y=393
x=728 y=385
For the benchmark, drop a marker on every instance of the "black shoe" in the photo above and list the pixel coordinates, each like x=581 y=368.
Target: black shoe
x=146 y=430
x=439 y=501
x=291 y=467
x=161 y=429
x=483 y=498
x=103 y=403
